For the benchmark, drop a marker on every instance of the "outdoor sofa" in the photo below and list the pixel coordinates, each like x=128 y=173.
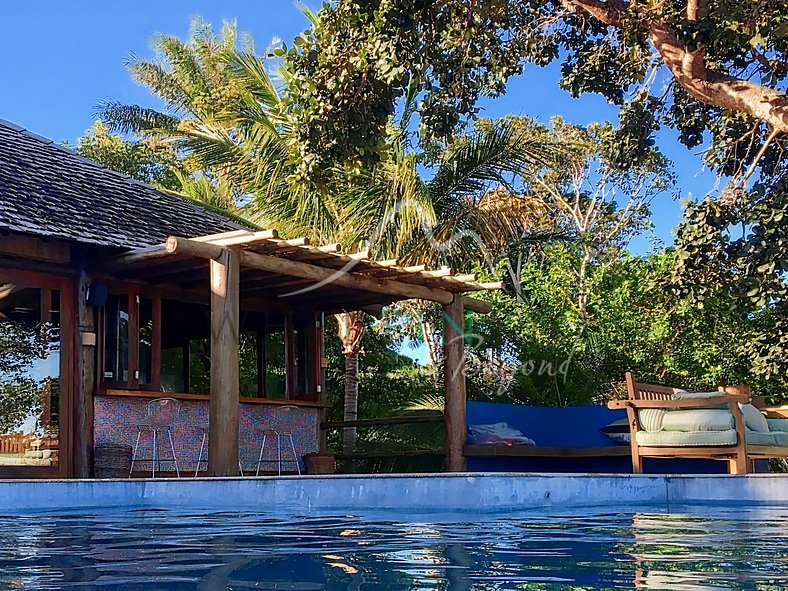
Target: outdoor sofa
x=725 y=425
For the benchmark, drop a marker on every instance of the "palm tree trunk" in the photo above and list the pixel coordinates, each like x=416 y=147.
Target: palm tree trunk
x=351 y=331
x=351 y=400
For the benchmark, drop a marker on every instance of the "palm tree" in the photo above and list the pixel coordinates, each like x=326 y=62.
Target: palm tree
x=224 y=114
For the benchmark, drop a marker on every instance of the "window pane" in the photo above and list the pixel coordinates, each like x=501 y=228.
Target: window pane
x=275 y=363
x=248 y=361
x=146 y=341
x=172 y=372
x=303 y=376
x=29 y=375
x=200 y=366
x=185 y=343
x=116 y=331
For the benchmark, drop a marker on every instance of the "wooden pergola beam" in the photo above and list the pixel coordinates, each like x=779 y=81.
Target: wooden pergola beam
x=478 y=306
x=223 y=235
x=301 y=270
x=247 y=239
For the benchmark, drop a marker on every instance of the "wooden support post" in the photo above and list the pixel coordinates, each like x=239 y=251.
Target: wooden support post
x=225 y=304
x=454 y=379
x=86 y=381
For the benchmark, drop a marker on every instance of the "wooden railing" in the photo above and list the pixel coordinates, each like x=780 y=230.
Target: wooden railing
x=15 y=443
x=386 y=421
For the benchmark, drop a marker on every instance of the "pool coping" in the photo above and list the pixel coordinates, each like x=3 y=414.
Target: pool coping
x=467 y=492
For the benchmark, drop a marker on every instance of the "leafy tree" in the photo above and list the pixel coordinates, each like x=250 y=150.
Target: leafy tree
x=714 y=71
x=725 y=65
x=591 y=200
x=19 y=399
x=148 y=160
x=740 y=247
x=548 y=353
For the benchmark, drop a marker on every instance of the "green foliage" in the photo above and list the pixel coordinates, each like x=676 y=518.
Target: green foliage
x=20 y=398
x=147 y=160
x=553 y=354
x=21 y=345
x=359 y=58
x=388 y=380
x=740 y=247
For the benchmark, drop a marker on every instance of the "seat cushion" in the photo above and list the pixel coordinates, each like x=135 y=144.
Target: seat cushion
x=754 y=419
x=780 y=437
x=701 y=419
x=686 y=438
x=650 y=419
x=777 y=425
x=758 y=438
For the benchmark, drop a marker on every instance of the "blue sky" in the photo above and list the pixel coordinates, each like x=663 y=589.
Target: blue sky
x=59 y=59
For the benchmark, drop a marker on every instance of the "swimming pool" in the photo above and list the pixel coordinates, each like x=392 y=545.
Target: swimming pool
x=147 y=548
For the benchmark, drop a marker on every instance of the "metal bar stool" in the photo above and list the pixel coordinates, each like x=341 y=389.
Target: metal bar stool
x=161 y=416
x=280 y=414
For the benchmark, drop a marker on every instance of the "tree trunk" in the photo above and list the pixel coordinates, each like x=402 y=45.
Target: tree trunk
x=351 y=332
x=351 y=400
x=690 y=70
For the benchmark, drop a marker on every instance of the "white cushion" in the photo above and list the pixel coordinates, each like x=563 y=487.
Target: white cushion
x=650 y=419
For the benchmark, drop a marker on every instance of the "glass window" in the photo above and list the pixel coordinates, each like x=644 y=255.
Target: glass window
x=116 y=334
x=302 y=366
x=248 y=358
x=29 y=375
x=275 y=360
x=172 y=370
x=146 y=342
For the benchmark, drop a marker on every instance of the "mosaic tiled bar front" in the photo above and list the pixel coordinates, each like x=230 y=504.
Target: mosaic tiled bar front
x=116 y=419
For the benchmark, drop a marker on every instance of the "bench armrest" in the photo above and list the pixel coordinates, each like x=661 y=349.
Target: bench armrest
x=684 y=403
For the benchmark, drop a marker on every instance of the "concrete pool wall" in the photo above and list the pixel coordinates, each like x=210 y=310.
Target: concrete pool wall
x=476 y=493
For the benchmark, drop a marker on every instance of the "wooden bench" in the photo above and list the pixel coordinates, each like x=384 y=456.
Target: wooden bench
x=536 y=451
x=739 y=456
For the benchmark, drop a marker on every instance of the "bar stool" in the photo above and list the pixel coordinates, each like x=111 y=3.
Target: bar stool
x=161 y=416
x=202 y=449
x=280 y=414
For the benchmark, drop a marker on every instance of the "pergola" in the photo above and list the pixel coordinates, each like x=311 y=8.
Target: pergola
x=249 y=268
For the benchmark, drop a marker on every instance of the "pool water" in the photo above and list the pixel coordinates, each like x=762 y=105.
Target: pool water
x=689 y=549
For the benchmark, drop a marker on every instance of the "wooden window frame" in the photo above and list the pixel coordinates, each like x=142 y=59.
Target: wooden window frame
x=69 y=374
x=312 y=325
x=135 y=294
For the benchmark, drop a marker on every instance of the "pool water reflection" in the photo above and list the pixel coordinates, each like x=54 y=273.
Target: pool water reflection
x=687 y=549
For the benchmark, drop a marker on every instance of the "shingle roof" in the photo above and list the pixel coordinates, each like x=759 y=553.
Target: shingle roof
x=48 y=190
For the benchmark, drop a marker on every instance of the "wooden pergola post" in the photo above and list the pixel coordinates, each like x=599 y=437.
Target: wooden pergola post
x=454 y=380
x=225 y=304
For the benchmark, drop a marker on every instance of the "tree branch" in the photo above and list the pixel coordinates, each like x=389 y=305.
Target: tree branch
x=690 y=69
x=609 y=12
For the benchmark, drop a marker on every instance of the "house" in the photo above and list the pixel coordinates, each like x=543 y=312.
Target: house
x=113 y=293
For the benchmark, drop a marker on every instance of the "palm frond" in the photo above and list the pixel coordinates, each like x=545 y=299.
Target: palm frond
x=159 y=81
x=123 y=118
x=488 y=157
